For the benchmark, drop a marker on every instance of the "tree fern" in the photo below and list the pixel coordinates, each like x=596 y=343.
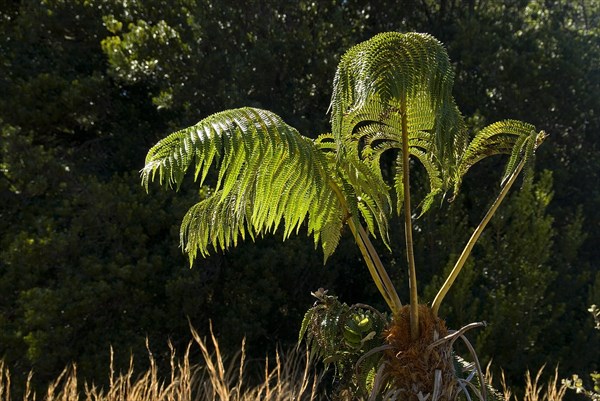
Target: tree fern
x=391 y=94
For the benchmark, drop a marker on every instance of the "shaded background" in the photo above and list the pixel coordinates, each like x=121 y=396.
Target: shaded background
x=89 y=260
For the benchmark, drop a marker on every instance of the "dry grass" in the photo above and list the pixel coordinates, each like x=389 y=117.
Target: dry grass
x=290 y=377
x=535 y=390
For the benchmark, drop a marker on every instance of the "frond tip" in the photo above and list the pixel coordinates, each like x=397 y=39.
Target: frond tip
x=267 y=173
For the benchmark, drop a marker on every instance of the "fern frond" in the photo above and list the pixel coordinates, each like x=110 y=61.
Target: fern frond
x=515 y=138
x=268 y=175
x=380 y=138
x=365 y=191
x=384 y=78
x=391 y=66
x=435 y=177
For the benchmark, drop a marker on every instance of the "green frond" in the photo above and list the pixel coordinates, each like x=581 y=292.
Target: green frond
x=435 y=178
x=325 y=142
x=330 y=233
x=379 y=139
x=385 y=78
x=368 y=194
x=515 y=138
x=268 y=176
x=306 y=320
x=365 y=191
x=391 y=66
x=198 y=226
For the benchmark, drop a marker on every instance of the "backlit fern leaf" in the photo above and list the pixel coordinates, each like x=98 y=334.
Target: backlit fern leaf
x=434 y=174
x=391 y=66
x=512 y=137
x=365 y=191
x=268 y=175
x=385 y=78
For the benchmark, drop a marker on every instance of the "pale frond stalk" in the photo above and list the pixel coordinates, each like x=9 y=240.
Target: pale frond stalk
x=507 y=183
x=370 y=256
x=410 y=256
x=474 y=237
x=387 y=282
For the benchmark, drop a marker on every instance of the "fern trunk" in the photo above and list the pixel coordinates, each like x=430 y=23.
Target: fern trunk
x=419 y=369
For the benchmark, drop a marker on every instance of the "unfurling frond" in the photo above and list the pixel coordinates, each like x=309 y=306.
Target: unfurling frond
x=348 y=337
x=268 y=174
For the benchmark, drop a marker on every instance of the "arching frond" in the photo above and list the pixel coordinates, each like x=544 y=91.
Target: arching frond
x=268 y=174
x=372 y=139
x=390 y=76
x=435 y=177
x=512 y=137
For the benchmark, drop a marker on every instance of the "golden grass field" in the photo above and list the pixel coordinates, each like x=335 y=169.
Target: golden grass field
x=291 y=376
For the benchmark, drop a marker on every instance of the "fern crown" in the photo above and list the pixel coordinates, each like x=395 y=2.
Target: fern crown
x=268 y=175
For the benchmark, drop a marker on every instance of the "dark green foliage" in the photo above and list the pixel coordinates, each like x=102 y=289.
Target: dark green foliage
x=346 y=337
x=518 y=275
x=576 y=383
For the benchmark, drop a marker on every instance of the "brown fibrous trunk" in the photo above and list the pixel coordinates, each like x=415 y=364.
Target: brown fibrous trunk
x=411 y=366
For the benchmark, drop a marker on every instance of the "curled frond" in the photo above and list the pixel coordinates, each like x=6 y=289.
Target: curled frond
x=267 y=175
x=347 y=337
